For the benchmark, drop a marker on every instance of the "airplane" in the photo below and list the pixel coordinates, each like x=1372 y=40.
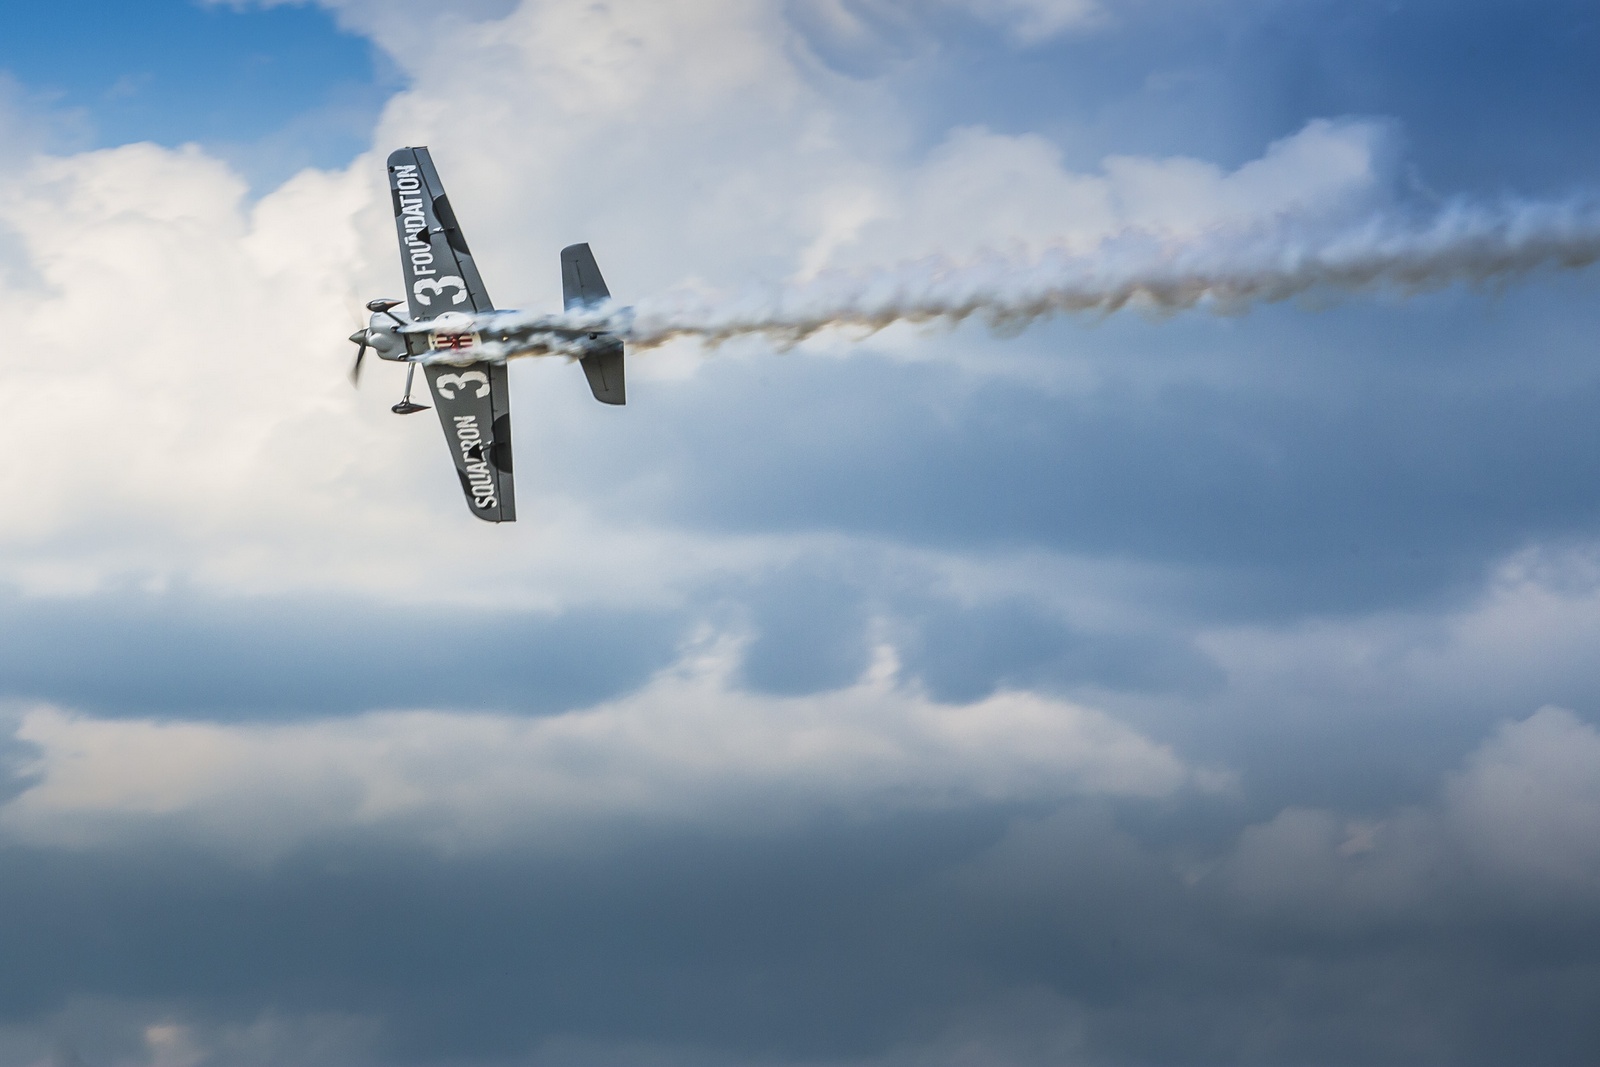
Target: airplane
x=462 y=342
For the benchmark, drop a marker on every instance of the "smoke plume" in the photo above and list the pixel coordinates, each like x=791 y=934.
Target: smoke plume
x=1223 y=271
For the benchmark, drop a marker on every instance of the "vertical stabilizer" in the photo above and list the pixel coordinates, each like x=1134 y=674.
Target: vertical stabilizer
x=581 y=284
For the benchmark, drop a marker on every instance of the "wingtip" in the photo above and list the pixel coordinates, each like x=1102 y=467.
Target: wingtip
x=408 y=154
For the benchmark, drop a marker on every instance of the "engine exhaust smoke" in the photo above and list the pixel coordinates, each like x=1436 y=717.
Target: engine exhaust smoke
x=1227 y=272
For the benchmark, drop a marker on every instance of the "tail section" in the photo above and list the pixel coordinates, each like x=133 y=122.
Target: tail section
x=582 y=286
x=604 y=371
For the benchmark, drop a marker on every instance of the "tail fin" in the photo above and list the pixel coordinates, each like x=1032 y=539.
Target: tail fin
x=604 y=371
x=581 y=283
x=581 y=286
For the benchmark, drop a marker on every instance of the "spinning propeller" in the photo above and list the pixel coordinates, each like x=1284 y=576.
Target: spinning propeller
x=359 y=338
x=362 y=337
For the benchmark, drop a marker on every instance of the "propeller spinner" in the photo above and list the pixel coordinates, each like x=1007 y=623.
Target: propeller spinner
x=363 y=338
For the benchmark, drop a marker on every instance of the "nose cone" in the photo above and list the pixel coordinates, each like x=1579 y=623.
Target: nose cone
x=383 y=333
x=383 y=339
x=359 y=337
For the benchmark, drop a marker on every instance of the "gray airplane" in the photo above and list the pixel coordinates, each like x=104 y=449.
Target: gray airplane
x=452 y=330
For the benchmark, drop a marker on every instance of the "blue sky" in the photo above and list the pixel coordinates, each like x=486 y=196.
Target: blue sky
x=1142 y=689
x=234 y=79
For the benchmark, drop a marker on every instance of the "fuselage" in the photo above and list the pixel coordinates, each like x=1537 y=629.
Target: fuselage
x=457 y=338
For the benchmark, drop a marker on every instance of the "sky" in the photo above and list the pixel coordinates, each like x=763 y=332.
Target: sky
x=1152 y=688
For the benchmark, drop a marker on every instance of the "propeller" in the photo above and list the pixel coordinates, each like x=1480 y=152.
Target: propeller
x=359 y=339
x=362 y=338
x=358 y=319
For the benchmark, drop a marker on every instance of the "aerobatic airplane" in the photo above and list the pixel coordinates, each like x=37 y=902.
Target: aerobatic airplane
x=462 y=342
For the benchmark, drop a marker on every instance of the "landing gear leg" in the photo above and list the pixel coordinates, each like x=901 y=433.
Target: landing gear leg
x=406 y=407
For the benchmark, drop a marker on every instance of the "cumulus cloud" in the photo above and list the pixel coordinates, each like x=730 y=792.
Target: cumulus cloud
x=133 y=1032
x=1511 y=832
x=859 y=24
x=688 y=746
x=1527 y=805
x=227 y=447
x=176 y=367
x=1032 y=21
x=980 y=191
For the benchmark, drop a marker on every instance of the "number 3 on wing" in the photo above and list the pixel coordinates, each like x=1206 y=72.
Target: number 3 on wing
x=439 y=285
x=447 y=384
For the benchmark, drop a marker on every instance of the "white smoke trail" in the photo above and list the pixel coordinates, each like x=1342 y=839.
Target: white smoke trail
x=1223 y=271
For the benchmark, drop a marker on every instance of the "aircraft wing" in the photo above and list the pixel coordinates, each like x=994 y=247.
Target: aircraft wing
x=474 y=402
x=474 y=407
x=440 y=273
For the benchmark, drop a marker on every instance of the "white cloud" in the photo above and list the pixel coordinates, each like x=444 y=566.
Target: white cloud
x=135 y=1033
x=1526 y=637
x=1517 y=826
x=1317 y=866
x=1527 y=804
x=688 y=746
x=981 y=190
x=177 y=352
x=863 y=26
x=1032 y=21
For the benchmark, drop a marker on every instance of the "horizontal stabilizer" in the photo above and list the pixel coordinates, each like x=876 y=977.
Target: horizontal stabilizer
x=581 y=284
x=604 y=371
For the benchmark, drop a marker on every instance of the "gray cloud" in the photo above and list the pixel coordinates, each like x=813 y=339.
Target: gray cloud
x=1127 y=692
x=1337 y=481
x=193 y=655
x=1094 y=930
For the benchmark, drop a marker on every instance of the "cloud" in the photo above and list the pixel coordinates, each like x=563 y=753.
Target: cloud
x=1510 y=835
x=1326 y=553
x=228 y=450
x=1527 y=805
x=176 y=653
x=1033 y=21
x=152 y=1034
x=855 y=29
x=1087 y=923
x=685 y=747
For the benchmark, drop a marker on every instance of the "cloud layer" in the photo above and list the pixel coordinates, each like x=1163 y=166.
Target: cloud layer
x=1119 y=690
x=686 y=747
